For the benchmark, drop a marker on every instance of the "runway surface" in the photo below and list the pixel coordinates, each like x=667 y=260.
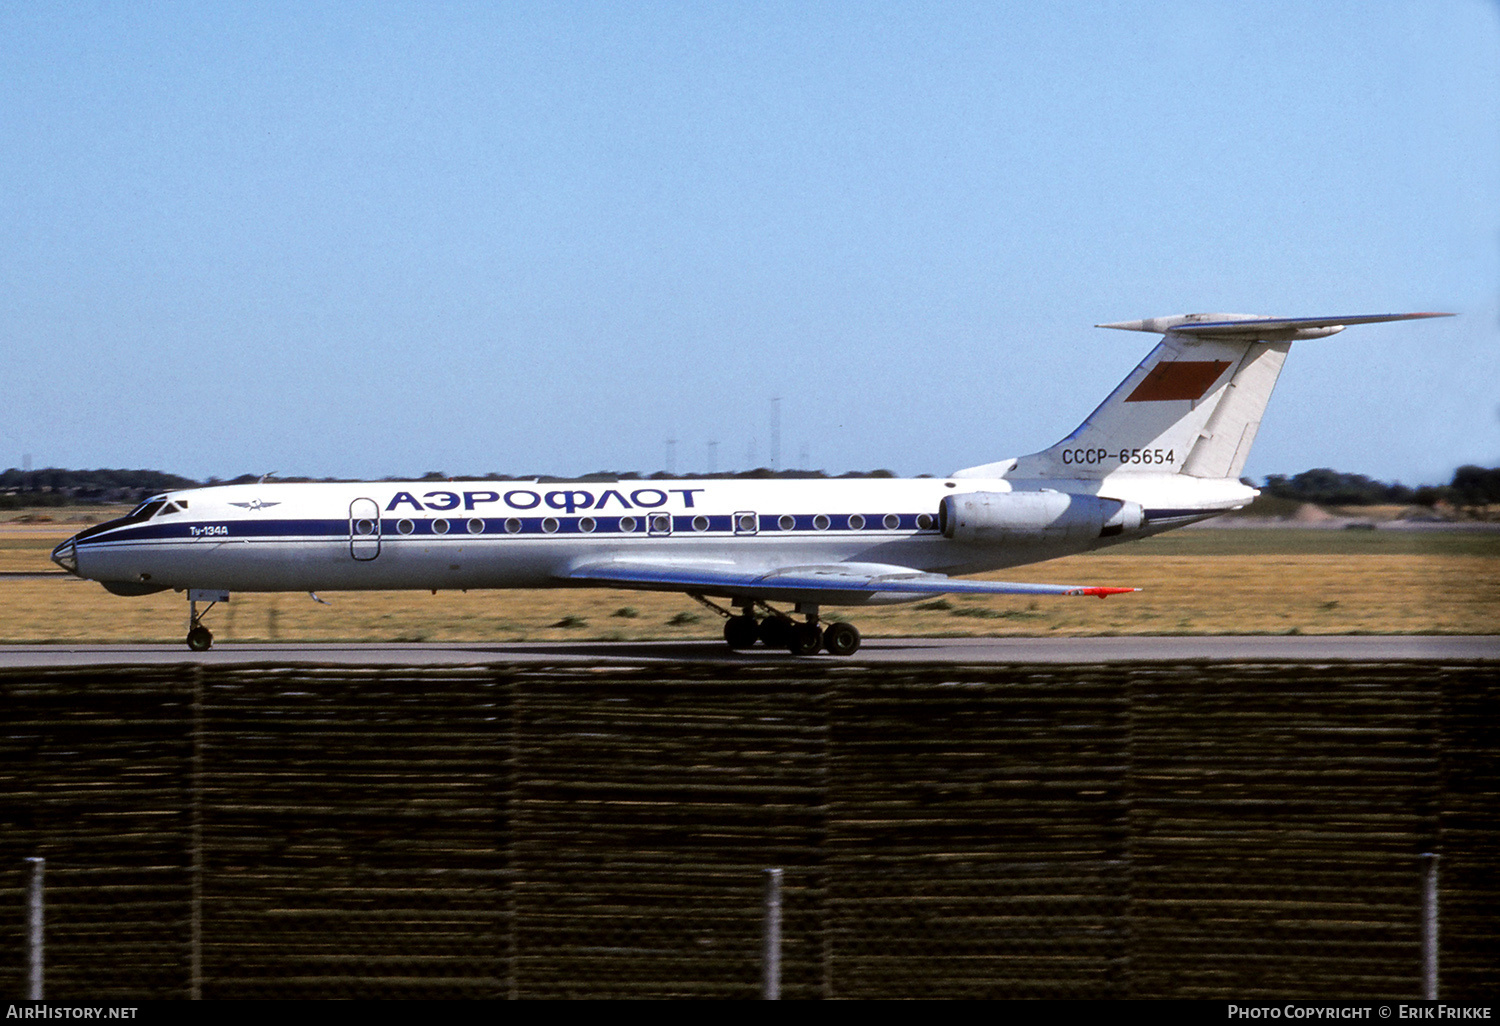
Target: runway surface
x=1298 y=648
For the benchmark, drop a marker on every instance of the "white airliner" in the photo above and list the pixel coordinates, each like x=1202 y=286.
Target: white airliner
x=1165 y=449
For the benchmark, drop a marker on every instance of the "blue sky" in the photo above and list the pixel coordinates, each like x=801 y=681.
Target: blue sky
x=374 y=239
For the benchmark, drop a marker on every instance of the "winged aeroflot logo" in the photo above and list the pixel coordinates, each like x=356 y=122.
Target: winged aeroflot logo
x=255 y=504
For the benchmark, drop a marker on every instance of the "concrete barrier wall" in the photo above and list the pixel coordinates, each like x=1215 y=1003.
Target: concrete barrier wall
x=1141 y=830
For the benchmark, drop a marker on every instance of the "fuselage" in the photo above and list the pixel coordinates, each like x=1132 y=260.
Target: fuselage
x=531 y=534
x=1164 y=449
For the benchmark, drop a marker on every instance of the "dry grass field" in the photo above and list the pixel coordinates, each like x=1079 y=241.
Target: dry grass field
x=1273 y=580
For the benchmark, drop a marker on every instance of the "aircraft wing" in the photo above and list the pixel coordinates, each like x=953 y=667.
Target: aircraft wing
x=836 y=583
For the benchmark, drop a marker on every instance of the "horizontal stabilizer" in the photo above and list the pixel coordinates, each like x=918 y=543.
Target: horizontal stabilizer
x=835 y=582
x=1249 y=327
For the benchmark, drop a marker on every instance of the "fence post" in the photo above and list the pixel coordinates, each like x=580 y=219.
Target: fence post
x=771 y=960
x=1430 y=926
x=195 y=916
x=34 y=952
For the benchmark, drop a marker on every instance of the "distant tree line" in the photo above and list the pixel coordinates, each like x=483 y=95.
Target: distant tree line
x=1471 y=486
x=55 y=486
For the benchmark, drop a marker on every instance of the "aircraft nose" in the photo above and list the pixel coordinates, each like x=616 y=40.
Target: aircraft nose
x=66 y=556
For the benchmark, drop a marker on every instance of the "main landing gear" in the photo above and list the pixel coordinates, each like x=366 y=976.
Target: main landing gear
x=776 y=629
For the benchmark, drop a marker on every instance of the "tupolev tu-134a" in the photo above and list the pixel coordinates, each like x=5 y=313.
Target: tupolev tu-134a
x=1166 y=448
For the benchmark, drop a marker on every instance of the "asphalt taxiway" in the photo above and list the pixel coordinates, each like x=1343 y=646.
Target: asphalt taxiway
x=1244 y=648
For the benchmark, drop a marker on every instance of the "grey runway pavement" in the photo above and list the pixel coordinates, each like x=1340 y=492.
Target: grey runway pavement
x=1300 y=648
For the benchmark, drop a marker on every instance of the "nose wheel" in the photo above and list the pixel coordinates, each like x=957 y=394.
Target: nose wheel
x=199 y=637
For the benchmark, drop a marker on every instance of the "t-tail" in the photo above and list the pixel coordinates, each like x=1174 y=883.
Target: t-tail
x=1192 y=407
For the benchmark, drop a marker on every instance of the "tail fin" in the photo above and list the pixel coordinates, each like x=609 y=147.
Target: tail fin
x=1192 y=407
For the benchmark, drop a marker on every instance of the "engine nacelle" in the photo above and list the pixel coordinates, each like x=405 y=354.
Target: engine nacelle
x=1034 y=517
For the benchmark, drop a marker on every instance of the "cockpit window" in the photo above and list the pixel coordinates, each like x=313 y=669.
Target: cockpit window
x=171 y=507
x=145 y=511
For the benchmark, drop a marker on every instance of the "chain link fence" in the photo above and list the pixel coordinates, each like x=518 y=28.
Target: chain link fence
x=1141 y=830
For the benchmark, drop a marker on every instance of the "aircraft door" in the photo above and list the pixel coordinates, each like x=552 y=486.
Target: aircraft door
x=364 y=529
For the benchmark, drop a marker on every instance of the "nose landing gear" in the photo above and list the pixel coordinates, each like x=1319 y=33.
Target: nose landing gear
x=199 y=637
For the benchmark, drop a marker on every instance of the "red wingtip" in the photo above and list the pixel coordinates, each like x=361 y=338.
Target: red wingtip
x=1105 y=592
